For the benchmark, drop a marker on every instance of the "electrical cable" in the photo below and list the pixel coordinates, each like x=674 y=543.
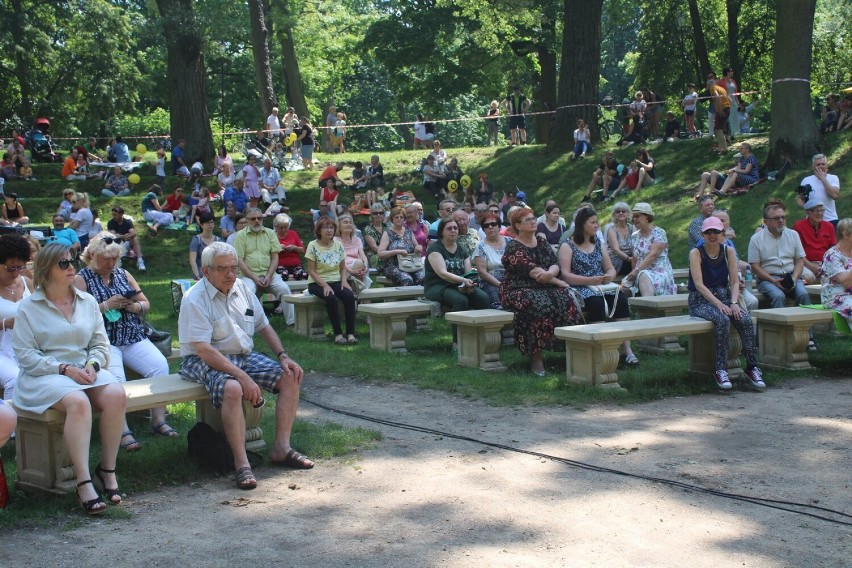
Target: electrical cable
x=761 y=501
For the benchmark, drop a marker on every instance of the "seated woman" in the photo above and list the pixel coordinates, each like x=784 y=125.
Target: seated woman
x=116 y=184
x=292 y=247
x=582 y=140
x=745 y=171
x=15 y=253
x=372 y=233
x=200 y=241
x=552 y=228
x=584 y=265
x=640 y=173
x=225 y=179
x=488 y=259
x=240 y=223
x=618 y=239
x=484 y=189
x=749 y=300
x=434 y=178
x=62 y=349
x=396 y=241
x=152 y=211
x=123 y=312
x=328 y=198
x=652 y=273
x=446 y=278
x=82 y=219
x=12 y=211
x=221 y=159
x=836 y=272
x=357 y=265
x=533 y=290
x=8 y=421
x=326 y=266
x=419 y=228
x=714 y=294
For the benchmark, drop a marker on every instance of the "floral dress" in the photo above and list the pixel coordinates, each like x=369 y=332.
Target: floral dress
x=494 y=265
x=372 y=256
x=391 y=270
x=538 y=309
x=834 y=295
x=660 y=273
x=624 y=243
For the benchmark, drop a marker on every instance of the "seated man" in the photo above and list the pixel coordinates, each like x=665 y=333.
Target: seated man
x=116 y=184
x=236 y=195
x=174 y=200
x=178 y=163
x=271 y=187
x=817 y=236
x=69 y=167
x=65 y=235
x=257 y=253
x=705 y=210
x=217 y=346
x=607 y=176
x=672 y=131
x=330 y=172
x=776 y=257
x=376 y=172
x=123 y=227
x=434 y=178
x=122 y=152
x=16 y=151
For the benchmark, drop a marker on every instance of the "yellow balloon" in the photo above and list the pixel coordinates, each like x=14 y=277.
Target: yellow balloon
x=465 y=181
x=134 y=179
x=453 y=185
x=290 y=139
x=141 y=149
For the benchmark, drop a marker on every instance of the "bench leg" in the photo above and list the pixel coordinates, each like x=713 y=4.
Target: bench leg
x=42 y=461
x=387 y=333
x=592 y=364
x=783 y=346
x=479 y=346
x=508 y=335
x=310 y=320
x=702 y=354
x=205 y=412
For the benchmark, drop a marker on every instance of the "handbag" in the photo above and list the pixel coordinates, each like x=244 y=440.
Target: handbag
x=604 y=290
x=410 y=262
x=162 y=340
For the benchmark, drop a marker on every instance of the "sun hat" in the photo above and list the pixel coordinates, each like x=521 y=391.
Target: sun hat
x=644 y=208
x=711 y=223
x=813 y=203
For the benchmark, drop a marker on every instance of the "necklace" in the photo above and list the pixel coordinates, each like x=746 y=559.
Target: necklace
x=712 y=257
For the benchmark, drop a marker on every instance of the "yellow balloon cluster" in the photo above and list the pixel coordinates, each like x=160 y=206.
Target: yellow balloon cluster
x=141 y=149
x=453 y=186
x=465 y=181
x=134 y=179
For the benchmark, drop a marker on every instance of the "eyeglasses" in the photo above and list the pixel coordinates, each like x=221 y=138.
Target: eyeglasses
x=254 y=218
x=712 y=232
x=622 y=212
x=13 y=269
x=64 y=264
x=528 y=220
x=226 y=269
x=490 y=225
x=449 y=209
x=776 y=218
x=378 y=213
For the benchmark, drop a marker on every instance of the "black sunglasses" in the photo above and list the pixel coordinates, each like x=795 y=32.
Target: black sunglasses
x=713 y=232
x=489 y=225
x=110 y=240
x=64 y=264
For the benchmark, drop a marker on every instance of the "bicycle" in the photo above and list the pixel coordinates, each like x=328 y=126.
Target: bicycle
x=608 y=126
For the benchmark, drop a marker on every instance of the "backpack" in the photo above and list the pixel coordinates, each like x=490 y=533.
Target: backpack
x=209 y=448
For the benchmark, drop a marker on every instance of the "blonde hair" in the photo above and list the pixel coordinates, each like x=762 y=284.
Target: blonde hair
x=99 y=247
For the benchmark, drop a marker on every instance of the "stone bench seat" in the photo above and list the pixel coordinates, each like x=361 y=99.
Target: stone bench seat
x=783 y=335
x=310 y=310
x=591 y=354
x=390 y=321
x=42 y=459
x=480 y=336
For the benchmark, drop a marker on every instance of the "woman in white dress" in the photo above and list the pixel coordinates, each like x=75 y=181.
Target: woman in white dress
x=14 y=287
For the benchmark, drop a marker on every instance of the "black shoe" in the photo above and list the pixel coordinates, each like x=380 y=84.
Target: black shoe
x=91 y=506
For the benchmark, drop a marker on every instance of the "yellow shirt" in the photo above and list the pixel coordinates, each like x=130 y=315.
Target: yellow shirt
x=326 y=260
x=255 y=248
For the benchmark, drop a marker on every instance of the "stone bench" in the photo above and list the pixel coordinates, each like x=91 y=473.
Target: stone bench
x=391 y=321
x=591 y=356
x=479 y=337
x=310 y=310
x=652 y=307
x=783 y=335
x=42 y=459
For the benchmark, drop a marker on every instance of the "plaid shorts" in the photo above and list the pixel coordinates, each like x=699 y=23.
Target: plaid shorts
x=263 y=370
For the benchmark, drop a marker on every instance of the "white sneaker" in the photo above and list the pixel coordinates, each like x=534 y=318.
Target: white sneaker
x=140 y=264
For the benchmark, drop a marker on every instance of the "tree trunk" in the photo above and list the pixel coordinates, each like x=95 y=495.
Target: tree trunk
x=733 y=10
x=262 y=67
x=698 y=40
x=294 y=89
x=580 y=71
x=404 y=130
x=16 y=25
x=793 y=131
x=187 y=80
x=545 y=96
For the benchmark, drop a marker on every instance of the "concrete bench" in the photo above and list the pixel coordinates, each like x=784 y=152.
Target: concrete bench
x=591 y=356
x=390 y=321
x=648 y=307
x=479 y=337
x=42 y=459
x=310 y=310
x=783 y=335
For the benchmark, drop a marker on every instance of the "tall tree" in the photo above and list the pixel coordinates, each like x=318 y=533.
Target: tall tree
x=794 y=132
x=187 y=79
x=294 y=88
x=580 y=72
x=733 y=12
x=260 y=48
x=698 y=39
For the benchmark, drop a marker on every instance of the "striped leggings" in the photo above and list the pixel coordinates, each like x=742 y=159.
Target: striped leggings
x=699 y=307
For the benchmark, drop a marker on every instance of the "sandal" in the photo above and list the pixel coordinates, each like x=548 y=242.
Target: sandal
x=340 y=340
x=91 y=507
x=245 y=479
x=111 y=494
x=631 y=360
x=294 y=460
x=133 y=445
x=164 y=430
x=352 y=340
x=812 y=346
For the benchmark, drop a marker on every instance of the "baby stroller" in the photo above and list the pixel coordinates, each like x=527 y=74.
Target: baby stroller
x=41 y=148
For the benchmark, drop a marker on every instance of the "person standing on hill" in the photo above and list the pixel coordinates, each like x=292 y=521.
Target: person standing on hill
x=825 y=188
x=516 y=104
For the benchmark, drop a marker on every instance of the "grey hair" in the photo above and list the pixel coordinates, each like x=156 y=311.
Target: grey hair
x=818 y=157
x=211 y=251
x=250 y=209
x=281 y=219
x=620 y=206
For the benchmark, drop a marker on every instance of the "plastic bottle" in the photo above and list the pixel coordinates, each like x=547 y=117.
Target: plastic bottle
x=749 y=280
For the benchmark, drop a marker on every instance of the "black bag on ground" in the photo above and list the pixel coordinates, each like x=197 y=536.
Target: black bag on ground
x=209 y=448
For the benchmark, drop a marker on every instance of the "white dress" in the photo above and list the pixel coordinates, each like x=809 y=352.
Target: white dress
x=8 y=363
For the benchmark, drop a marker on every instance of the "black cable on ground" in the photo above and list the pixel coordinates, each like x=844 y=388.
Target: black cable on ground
x=781 y=505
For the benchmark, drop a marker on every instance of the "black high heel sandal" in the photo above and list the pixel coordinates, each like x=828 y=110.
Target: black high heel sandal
x=110 y=494
x=91 y=506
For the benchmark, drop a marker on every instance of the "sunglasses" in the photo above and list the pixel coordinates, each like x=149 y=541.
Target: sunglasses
x=712 y=232
x=110 y=240
x=64 y=264
x=490 y=225
x=254 y=218
x=13 y=269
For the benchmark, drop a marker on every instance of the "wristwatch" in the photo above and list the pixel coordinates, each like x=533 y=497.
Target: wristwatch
x=95 y=365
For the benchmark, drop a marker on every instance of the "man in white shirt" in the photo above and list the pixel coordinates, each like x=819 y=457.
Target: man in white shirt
x=273 y=125
x=825 y=187
x=270 y=183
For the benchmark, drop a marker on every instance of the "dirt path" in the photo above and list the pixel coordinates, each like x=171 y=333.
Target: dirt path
x=424 y=500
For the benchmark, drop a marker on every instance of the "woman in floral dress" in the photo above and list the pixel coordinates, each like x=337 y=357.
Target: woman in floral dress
x=836 y=272
x=652 y=272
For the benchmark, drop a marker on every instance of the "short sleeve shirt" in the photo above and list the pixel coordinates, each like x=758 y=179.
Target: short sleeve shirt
x=326 y=260
x=254 y=248
x=775 y=255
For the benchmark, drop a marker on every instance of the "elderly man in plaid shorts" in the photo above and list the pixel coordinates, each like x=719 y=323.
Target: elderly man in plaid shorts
x=218 y=319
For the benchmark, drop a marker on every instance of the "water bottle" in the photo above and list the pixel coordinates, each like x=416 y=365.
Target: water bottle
x=749 y=280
